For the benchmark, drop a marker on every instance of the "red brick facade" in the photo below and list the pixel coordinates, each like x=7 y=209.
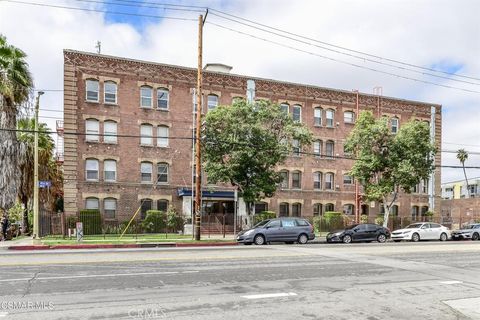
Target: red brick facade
x=130 y=75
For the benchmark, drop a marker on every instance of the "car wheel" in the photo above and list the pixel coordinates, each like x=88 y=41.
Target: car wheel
x=382 y=238
x=259 y=240
x=443 y=237
x=302 y=239
x=415 y=237
x=347 y=239
x=475 y=236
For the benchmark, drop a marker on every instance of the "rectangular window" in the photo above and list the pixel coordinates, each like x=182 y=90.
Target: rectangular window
x=91 y=204
x=328 y=181
x=296 y=210
x=146 y=134
x=92 y=90
x=347 y=179
x=110 y=208
x=146 y=97
x=146 y=172
x=348 y=117
x=317 y=117
x=162 y=136
x=110 y=92
x=394 y=125
x=162 y=99
x=329 y=149
x=110 y=132
x=296 y=147
x=283 y=210
x=110 y=170
x=317 y=180
x=297 y=113
x=162 y=173
x=212 y=102
x=91 y=167
x=284 y=183
x=329 y=115
x=146 y=205
x=162 y=205
x=296 y=180
x=284 y=108
x=317 y=148
x=92 y=128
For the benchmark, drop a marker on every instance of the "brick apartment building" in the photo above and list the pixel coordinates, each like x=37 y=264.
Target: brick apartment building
x=149 y=105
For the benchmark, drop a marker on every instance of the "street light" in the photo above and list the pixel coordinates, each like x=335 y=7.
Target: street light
x=35 y=172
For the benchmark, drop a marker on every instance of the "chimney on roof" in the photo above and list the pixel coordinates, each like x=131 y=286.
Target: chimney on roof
x=217 y=67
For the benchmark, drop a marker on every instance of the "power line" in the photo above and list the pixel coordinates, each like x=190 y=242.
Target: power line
x=341 y=61
x=142 y=5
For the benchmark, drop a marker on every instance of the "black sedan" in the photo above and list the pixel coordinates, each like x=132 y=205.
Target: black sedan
x=360 y=233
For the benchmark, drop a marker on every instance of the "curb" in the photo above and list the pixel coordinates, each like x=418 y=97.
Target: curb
x=119 y=246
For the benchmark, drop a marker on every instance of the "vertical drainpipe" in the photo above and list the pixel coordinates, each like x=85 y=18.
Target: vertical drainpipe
x=431 y=182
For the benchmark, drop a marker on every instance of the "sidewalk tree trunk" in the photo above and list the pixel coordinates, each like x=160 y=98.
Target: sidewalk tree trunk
x=387 y=164
x=462 y=156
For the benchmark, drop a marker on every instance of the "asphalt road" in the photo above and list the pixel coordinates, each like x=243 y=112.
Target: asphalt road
x=359 y=281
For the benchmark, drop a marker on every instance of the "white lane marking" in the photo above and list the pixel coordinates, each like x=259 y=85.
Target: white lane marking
x=270 y=295
x=451 y=282
x=3 y=314
x=190 y=271
x=99 y=276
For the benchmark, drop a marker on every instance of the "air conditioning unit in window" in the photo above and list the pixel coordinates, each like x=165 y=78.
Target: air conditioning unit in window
x=337 y=187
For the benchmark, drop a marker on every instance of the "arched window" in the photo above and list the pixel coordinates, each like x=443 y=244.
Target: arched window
x=284 y=182
x=110 y=208
x=348 y=209
x=330 y=148
x=296 y=209
x=92 y=203
x=317 y=180
x=110 y=131
x=297 y=113
x=317 y=117
x=146 y=134
x=92 y=88
x=394 y=211
x=317 y=148
x=162 y=205
x=283 y=209
x=91 y=169
x=415 y=212
x=347 y=179
x=329 y=181
x=146 y=97
x=394 y=124
x=296 y=179
x=424 y=210
x=92 y=130
x=349 y=117
x=162 y=136
x=110 y=92
x=317 y=209
x=110 y=170
x=145 y=205
x=285 y=107
x=212 y=102
x=261 y=207
x=162 y=173
x=329 y=207
x=330 y=117
x=146 y=169
x=162 y=98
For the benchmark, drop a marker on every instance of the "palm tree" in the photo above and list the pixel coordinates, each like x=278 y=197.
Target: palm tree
x=45 y=159
x=15 y=88
x=462 y=155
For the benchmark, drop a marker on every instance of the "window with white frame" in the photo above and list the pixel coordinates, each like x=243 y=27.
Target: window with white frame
x=317 y=180
x=329 y=115
x=348 y=117
x=296 y=209
x=162 y=173
x=329 y=181
x=296 y=179
x=212 y=101
x=284 y=107
x=92 y=128
x=146 y=135
x=146 y=169
x=296 y=147
x=317 y=209
x=110 y=170
x=162 y=98
x=425 y=186
x=297 y=113
x=317 y=116
x=317 y=148
x=162 y=205
x=110 y=131
x=347 y=179
x=162 y=136
x=329 y=148
x=91 y=170
x=394 y=125
x=146 y=94
x=110 y=208
x=92 y=88
x=92 y=203
x=284 y=182
x=110 y=92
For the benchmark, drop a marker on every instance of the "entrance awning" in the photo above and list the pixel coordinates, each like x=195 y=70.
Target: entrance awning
x=186 y=192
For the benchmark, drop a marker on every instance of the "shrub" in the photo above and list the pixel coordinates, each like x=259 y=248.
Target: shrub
x=334 y=220
x=363 y=218
x=134 y=227
x=92 y=221
x=174 y=221
x=71 y=220
x=379 y=219
x=264 y=215
x=155 y=221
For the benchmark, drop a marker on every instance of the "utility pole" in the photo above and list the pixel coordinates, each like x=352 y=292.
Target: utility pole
x=357 y=195
x=36 y=224
x=198 y=163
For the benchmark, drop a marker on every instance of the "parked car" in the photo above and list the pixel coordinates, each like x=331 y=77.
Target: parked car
x=470 y=231
x=365 y=232
x=287 y=230
x=422 y=231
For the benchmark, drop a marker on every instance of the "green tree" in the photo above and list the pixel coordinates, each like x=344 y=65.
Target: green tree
x=462 y=156
x=47 y=168
x=243 y=144
x=388 y=163
x=15 y=87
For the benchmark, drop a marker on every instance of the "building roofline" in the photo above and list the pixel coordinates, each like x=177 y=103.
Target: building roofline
x=461 y=180
x=244 y=76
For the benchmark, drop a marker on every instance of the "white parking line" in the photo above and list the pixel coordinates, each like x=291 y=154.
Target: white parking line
x=451 y=282
x=270 y=295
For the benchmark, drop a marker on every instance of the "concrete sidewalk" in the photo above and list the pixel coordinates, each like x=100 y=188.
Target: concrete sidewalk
x=17 y=242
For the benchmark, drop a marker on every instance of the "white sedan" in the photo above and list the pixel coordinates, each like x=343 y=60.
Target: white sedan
x=422 y=231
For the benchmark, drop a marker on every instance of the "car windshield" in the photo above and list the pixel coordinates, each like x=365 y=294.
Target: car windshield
x=351 y=227
x=470 y=226
x=261 y=223
x=414 y=226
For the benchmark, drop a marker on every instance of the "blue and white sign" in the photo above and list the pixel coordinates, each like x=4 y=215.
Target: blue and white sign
x=44 y=184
